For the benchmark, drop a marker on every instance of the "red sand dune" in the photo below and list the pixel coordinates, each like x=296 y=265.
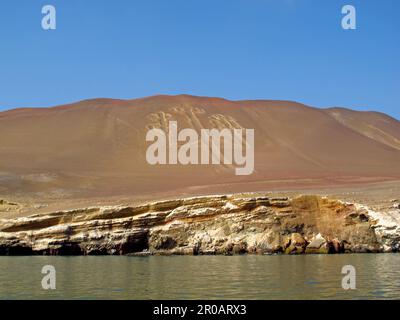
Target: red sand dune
x=98 y=146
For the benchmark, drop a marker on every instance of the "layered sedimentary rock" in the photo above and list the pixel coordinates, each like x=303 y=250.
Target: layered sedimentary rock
x=227 y=224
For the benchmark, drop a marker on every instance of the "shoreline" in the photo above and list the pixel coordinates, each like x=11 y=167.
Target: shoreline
x=207 y=225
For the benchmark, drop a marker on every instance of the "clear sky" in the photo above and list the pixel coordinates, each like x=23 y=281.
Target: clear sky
x=236 y=49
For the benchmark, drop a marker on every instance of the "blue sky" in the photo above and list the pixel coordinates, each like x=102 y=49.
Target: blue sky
x=237 y=49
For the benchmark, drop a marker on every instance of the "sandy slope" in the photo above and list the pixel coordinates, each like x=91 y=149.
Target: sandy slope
x=96 y=148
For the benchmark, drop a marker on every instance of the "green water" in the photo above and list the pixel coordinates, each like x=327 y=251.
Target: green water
x=202 y=277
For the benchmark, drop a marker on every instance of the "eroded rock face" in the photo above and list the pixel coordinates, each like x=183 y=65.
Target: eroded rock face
x=386 y=226
x=228 y=224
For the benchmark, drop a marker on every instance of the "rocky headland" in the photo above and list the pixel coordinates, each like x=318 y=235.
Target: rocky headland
x=226 y=224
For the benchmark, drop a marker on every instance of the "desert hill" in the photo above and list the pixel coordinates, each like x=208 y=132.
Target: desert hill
x=97 y=147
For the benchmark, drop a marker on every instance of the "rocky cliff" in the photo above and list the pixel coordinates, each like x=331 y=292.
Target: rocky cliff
x=227 y=224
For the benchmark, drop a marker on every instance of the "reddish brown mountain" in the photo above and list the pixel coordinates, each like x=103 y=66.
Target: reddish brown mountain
x=98 y=146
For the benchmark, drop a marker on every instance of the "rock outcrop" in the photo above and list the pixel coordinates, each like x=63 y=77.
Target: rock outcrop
x=386 y=226
x=227 y=224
